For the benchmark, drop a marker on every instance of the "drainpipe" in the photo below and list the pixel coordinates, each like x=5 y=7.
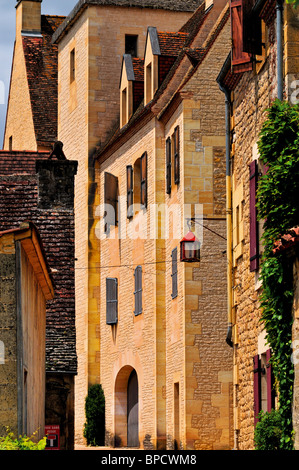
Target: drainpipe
x=279 y=33
x=228 y=215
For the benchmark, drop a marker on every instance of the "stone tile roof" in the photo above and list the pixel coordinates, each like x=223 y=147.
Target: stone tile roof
x=19 y=203
x=172 y=5
x=287 y=241
x=171 y=43
x=138 y=67
x=41 y=59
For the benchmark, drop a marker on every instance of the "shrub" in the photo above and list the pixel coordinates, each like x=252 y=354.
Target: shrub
x=10 y=442
x=268 y=431
x=94 y=427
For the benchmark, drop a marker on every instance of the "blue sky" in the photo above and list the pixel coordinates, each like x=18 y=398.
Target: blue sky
x=7 y=37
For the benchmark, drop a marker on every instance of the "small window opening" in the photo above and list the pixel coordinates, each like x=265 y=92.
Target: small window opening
x=72 y=65
x=131 y=42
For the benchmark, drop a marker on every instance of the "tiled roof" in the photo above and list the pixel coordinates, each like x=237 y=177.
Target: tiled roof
x=287 y=241
x=41 y=60
x=19 y=203
x=171 y=43
x=138 y=67
x=172 y=5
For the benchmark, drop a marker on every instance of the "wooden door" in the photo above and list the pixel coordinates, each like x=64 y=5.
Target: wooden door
x=133 y=430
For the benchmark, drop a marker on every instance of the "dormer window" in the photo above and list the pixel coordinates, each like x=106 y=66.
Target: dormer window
x=148 y=83
x=131 y=87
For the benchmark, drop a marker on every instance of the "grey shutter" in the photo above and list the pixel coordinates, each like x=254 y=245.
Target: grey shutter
x=138 y=290
x=174 y=274
x=111 y=196
x=168 y=165
x=111 y=301
x=129 y=191
x=177 y=155
x=143 y=179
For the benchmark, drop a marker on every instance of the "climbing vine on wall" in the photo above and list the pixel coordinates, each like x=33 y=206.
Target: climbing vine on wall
x=278 y=207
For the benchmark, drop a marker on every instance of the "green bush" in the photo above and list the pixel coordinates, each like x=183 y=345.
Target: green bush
x=10 y=442
x=268 y=431
x=94 y=427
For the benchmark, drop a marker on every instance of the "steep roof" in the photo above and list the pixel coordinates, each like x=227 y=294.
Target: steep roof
x=18 y=203
x=171 y=5
x=41 y=59
x=171 y=43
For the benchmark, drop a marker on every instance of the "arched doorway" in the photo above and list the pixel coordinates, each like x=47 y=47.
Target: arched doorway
x=132 y=411
x=126 y=408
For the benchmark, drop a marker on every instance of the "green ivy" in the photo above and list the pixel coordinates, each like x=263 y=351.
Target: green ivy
x=277 y=204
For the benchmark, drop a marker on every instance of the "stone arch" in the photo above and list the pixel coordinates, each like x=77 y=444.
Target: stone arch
x=126 y=414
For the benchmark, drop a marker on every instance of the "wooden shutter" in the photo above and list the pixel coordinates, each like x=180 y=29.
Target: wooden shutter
x=168 y=165
x=177 y=155
x=111 y=196
x=241 y=61
x=270 y=383
x=129 y=191
x=256 y=387
x=174 y=274
x=111 y=301
x=143 y=179
x=138 y=290
x=254 y=232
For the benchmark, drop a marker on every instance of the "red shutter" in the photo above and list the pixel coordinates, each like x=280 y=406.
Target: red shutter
x=270 y=383
x=241 y=61
x=256 y=387
x=254 y=236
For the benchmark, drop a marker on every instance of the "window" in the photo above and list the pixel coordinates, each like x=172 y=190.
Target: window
x=241 y=61
x=143 y=180
x=10 y=143
x=168 y=165
x=129 y=191
x=72 y=66
x=131 y=42
x=138 y=290
x=174 y=274
x=176 y=155
x=263 y=384
x=148 y=85
x=111 y=198
x=123 y=107
x=111 y=301
x=254 y=232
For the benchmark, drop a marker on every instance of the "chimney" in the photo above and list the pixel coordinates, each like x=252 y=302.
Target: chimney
x=56 y=181
x=28 y=19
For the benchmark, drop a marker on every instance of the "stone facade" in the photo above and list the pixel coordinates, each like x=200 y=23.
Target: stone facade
x=176 y=344
x=251 y=93
x=97 y=35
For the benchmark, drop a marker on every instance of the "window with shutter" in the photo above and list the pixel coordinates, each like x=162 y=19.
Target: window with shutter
x=111 y=301
x=174 y=274
x=129 y=191
x=256 y=387
x=270 y=383
x=177 y=155
x=111 y=197
x=252 y=28
x=241 y=60
x=138 y=290
x=143 y=182
x=254 y=232
x=168 y=165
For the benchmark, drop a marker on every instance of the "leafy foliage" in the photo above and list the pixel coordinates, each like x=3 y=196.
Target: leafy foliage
x=293 y=2
x=94 y=427
x=277 y=204
x=10 y=442
x=268 y=431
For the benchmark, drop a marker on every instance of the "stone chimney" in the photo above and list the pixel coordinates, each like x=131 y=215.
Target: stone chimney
x=56 y=181
x=28 y=17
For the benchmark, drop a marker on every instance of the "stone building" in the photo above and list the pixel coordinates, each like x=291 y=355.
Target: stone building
x=163 y=362
x=262 y=65
x=91 y=43
x=41 y=190
x=25 y=287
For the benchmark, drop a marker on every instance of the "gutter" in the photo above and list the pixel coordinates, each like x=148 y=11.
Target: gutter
x=229 y=252
x=279 y=33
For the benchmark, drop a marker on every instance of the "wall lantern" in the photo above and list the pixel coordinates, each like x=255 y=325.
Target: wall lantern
x=190 y=248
